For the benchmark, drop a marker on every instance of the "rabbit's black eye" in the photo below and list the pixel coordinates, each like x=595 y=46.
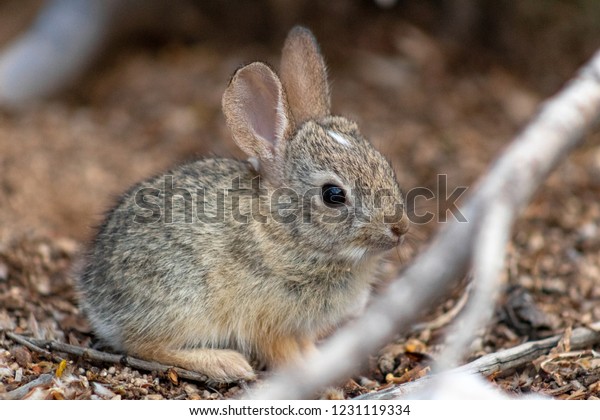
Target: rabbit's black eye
x=333 y=196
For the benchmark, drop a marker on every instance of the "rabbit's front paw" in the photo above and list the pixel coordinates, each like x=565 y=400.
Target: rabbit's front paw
x=225 y=366
x=219 y=365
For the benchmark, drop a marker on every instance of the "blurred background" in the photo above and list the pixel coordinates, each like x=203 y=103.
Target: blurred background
x=114 y=91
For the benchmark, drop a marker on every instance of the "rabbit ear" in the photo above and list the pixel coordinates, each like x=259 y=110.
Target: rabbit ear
x=304 y=76
x=257 y=113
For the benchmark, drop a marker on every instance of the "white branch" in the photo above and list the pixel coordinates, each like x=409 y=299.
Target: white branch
x=515 y=176
x=488 y=263
x=65 y=39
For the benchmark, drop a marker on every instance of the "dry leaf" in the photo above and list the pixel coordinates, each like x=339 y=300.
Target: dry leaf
x=409 y=376
x=57 y=394
x=61 y=368
x=415 y=346
x=173 y=377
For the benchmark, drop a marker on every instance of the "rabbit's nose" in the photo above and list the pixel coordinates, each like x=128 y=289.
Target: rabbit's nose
x=398 y=233
x=400 y=228
x=396 y=230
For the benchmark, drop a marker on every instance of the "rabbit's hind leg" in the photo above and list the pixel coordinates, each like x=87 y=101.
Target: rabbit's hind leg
x=280 y=352
x=219 y=365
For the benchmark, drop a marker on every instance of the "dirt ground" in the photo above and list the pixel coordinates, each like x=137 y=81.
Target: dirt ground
x=431 y=100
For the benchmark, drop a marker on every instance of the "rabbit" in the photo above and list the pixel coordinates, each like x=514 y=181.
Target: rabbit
x=180 y=274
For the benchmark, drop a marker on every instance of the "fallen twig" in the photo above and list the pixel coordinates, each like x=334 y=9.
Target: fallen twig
x=25 y=342
x=22 y=391
x=497 y=362
x=48 y=346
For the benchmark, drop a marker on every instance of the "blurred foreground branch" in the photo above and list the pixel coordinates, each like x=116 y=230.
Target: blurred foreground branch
x=488 y=263
x=511 y=182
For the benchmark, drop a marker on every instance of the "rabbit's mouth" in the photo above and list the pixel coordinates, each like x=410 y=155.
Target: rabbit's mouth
x=354 y=253
x=357 y=253
x=385 y=243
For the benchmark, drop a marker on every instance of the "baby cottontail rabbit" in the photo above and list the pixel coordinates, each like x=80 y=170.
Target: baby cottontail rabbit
x=221 y=261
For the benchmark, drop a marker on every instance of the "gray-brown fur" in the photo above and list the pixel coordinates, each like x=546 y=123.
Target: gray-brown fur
x=209 y=295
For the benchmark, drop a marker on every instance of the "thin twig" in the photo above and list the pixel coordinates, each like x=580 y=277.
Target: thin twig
x=25 y=342
x=498 y=362
x=100 y=356
x=21 y=392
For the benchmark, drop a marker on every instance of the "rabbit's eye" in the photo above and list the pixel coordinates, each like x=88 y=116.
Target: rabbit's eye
x=333 y=196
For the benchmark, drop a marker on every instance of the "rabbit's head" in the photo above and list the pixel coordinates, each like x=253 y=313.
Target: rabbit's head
x=339 y=195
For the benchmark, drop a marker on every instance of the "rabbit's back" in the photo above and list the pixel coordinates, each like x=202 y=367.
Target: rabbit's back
x=155 y=259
